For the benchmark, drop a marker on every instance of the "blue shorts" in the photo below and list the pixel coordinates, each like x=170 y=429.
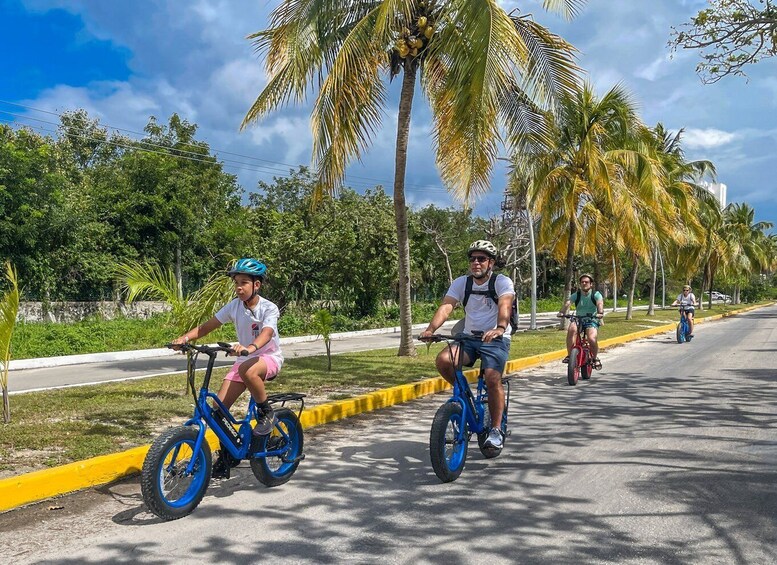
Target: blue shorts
x=493 y=355
x=590 y=323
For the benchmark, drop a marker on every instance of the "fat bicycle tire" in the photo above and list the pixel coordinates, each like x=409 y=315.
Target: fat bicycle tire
x=448 y=456
x=275 y=470
x=588 y=366
x=680 y=333
x=573 y=370
x=167 y=458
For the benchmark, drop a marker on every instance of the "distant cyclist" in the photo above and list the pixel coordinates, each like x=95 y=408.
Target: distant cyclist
x=487 y=299
x=587 y=302
x=688 y=300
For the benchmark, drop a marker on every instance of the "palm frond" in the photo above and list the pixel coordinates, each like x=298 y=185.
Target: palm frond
x=349 y=108
x=140 y=280
x=206 y=301
x=569 y=9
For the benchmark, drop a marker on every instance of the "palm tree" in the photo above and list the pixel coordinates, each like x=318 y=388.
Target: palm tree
x=576 y=166
x=747 y=237
x=480 y=69
x=685 y=192
x=9 y=308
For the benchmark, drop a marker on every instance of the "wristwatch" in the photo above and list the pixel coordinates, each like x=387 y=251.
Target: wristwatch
x=504 y=329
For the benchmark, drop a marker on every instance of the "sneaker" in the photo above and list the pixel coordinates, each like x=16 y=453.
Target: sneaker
x=264 y=422
x=597 y=364
x=565 y=359
x=495 y=439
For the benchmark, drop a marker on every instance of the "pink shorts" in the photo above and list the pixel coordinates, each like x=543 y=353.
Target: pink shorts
x=272 y=369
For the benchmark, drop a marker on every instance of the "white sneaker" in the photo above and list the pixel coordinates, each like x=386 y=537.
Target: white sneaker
x=495 y=439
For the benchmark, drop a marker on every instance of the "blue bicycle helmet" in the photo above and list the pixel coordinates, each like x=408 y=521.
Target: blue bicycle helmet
x=248 y=266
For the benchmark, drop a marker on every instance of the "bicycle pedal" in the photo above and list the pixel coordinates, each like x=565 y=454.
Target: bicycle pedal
x=299 y=457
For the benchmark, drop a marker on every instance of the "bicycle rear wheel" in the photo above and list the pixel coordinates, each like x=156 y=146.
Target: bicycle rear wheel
x=573 y=368
x=447 y=452
x=168 y=491
x=286 y=436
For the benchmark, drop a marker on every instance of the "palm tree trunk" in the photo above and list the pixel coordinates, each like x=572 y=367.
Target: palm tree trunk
x=406 y=345
x=711 y=280
x=634 y=271
x=614 y=283
x=6 y=407
x=178 y=276
x=651 y=310
x=570 y=266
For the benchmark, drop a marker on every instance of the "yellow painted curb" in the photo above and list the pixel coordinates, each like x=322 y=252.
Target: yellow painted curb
x=40 y=485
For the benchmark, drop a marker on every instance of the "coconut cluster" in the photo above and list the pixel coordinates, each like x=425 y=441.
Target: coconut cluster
x=412 y=41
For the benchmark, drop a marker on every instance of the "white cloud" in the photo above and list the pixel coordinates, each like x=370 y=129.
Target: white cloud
x=707 y=138
x=655 y=69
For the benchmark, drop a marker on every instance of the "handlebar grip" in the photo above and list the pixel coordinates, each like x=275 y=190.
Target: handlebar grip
x=243 y=353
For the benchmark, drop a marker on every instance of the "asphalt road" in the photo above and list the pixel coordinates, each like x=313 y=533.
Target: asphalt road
x=668 y=455
x=89 y=373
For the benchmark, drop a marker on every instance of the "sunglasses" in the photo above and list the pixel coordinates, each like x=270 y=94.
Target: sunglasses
x=478 y=258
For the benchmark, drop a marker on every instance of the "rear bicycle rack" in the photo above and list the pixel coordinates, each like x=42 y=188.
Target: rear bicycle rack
x=284 y=397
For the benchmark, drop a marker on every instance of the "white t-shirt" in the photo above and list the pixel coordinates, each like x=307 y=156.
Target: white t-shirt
x=481 y=312
x=689 y=300
x=249 y=324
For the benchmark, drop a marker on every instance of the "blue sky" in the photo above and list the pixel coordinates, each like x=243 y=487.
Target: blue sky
x=126 y=61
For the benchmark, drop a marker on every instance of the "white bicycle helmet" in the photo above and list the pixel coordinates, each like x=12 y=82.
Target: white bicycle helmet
x=485 y=246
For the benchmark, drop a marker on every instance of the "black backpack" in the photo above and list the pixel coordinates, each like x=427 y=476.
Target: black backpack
x=491 y=293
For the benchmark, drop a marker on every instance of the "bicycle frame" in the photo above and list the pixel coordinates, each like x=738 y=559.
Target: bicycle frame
x=236 y=441
x=581 y=340
x=685 y=325
x=472 y=406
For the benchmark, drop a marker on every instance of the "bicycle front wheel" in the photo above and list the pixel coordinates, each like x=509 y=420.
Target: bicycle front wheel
x=573 y=368
x=586 y=366
x=168 y=490
x=680 y=333
x=286 y=437
x=447 y=451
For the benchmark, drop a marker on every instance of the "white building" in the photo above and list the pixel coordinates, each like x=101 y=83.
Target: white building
x=718 y=189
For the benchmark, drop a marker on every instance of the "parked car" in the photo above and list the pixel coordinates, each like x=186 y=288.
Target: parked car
x=719 y=296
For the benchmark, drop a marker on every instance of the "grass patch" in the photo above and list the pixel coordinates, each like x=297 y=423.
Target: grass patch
x=59 y=426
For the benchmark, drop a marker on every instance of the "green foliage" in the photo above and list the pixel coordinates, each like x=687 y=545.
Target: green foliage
x=94 y=335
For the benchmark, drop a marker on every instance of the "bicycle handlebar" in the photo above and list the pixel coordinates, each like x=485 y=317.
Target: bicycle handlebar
x=570 y=316
x=206 y=349
x=436 y=338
